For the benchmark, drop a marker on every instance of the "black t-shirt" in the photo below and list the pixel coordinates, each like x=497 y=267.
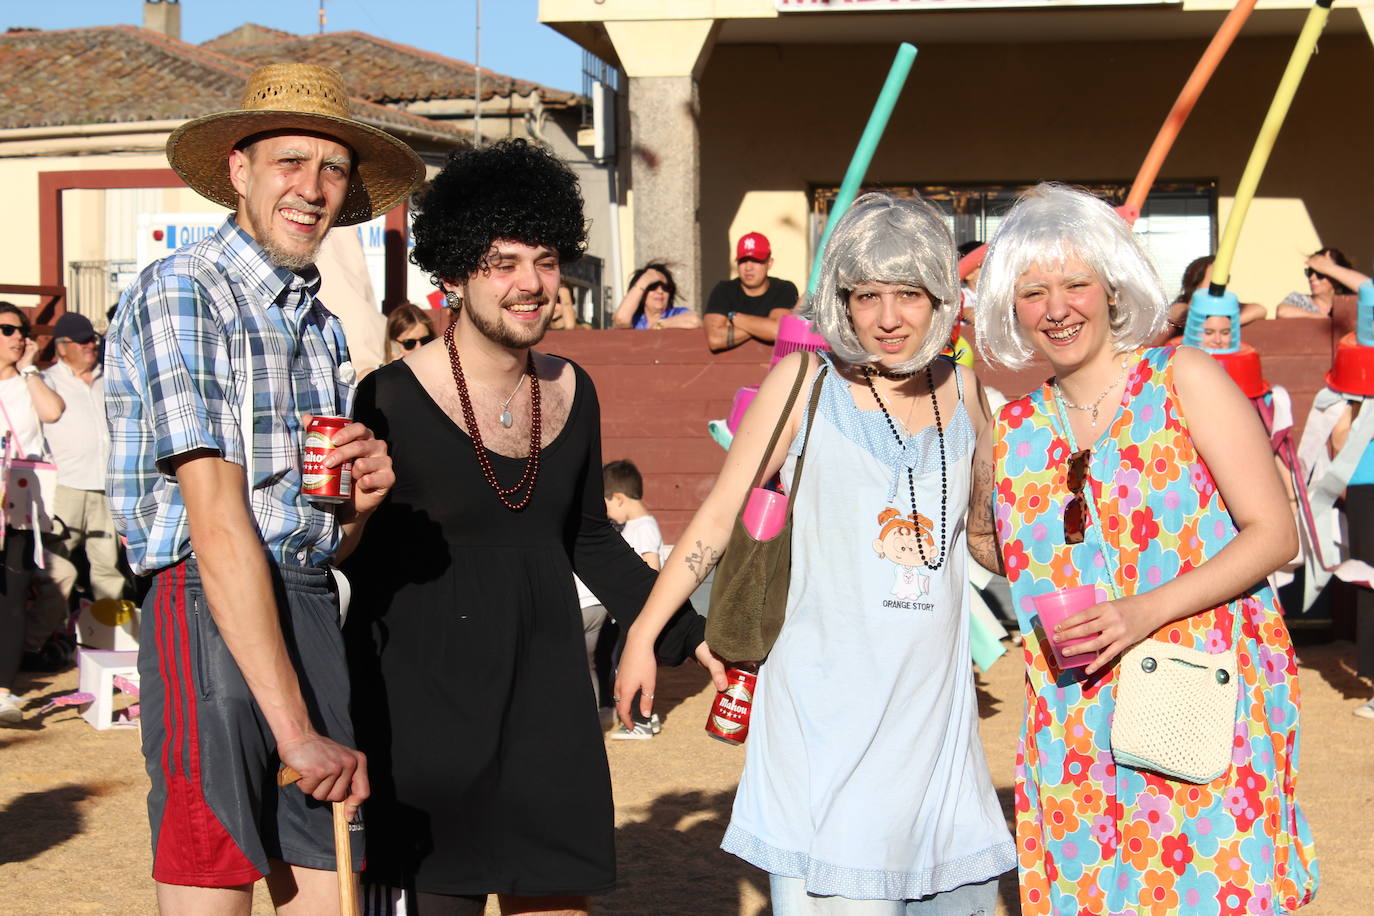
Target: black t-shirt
x=729 y=296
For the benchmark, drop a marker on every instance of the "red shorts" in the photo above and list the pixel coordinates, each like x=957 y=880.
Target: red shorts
x=216 y=812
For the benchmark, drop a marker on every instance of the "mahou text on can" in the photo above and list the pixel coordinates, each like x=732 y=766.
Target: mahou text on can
x=319 y=483
x=729 y=718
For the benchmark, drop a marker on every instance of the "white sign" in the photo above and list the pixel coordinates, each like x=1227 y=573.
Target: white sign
x=160 y=234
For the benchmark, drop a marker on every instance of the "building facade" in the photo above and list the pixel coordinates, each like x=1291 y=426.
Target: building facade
x=743 y=115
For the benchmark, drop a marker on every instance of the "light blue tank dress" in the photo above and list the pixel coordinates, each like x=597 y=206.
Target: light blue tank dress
x=864 y=774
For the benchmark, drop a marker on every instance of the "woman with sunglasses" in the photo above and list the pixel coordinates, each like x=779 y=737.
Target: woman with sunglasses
x=865 y=791
x=1146 y=472
x=26 y=403
x=407 y=327
x=1323 y=286
x=650 y=302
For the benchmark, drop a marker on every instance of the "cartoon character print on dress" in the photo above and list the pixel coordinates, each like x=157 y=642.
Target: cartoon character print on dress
x=896 y=542
x=1093 y=836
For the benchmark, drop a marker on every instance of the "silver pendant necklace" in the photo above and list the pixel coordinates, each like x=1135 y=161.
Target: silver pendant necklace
x=506 y=418
x=1095 y=405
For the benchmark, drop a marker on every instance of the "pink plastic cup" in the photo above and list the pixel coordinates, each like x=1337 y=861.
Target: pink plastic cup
x=764 y=513
x=743 y=397
x=1060 y=605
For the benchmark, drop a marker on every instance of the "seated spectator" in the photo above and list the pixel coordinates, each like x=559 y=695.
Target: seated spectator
x=1323 y=269
x=651 y=302
x=407 y=327
x=749 y=306
x=565 y=309
x=1197 y=275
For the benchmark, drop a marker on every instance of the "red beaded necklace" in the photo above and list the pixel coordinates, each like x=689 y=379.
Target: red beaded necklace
x=527 y=479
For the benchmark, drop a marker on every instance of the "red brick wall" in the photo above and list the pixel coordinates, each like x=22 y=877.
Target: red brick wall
x=658 y=389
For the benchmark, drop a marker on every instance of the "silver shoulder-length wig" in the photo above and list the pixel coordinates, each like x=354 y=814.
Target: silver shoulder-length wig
x=886 y=239
x=1049 y=225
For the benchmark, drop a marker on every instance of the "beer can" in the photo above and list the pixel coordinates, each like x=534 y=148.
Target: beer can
x=318 y=483
x=729 y=718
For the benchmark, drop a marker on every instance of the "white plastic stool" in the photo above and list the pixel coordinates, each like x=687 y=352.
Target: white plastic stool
x=96 y=674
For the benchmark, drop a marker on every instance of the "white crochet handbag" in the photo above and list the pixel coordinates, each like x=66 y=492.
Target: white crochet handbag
x=1176 y=709
x=1176 y=706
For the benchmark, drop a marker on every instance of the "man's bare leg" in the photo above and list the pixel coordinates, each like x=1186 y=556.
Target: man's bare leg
x=177 y=900
x=300 y=891
x=543 y=906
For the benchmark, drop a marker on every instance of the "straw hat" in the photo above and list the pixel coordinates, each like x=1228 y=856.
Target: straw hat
x=302 y=97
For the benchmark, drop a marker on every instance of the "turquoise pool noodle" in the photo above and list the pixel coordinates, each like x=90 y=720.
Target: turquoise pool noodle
x=863 y=154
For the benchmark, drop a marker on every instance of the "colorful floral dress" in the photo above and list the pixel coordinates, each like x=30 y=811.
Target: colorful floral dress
x=1092 y=836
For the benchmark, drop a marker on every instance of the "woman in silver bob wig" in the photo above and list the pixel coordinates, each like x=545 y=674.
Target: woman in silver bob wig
x=1052 y=224
x=892 y=240
x=878 y=552
x=1144 y=477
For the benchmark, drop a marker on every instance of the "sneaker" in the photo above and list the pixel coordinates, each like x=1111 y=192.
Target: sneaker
x=1365 y=710
x=641 y=732
x=12 y=709
x=655 y=724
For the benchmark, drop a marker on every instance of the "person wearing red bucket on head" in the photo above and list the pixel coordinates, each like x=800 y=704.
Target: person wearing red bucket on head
x=864 y=790
x=1147 y=473
x=750 y=306
x=1337 y=455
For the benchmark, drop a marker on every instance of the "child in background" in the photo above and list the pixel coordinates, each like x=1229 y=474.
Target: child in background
x=624 y=492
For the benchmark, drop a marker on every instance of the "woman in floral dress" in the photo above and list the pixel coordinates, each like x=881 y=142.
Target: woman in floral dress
x=1187 y=517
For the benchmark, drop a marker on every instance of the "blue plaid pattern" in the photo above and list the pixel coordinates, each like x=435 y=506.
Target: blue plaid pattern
x=175 y=382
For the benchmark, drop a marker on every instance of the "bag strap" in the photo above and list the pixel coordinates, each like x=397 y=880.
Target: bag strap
x=12 y=449
x=811 y=407
x=782 y=420
x=1090 y=503
x=10 y=440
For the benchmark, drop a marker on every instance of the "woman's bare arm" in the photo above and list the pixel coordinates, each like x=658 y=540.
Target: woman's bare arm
x=700 y=548
x=1231 y=441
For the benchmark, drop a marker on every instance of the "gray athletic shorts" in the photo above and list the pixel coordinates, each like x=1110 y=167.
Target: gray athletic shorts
x=216 y=812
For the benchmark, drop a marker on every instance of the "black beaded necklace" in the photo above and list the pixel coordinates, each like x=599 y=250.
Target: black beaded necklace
x=910 y=482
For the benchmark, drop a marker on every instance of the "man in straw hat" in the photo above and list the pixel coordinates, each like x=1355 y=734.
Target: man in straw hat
x=241 y=660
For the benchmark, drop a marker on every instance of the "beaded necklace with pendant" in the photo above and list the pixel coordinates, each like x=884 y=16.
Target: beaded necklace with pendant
x=531 y=474
x=910 y=482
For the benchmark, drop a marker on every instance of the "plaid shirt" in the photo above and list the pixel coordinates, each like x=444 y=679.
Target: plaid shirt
x=174 y=383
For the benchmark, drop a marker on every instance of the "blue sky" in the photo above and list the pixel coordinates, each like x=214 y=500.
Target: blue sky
x=513 y=41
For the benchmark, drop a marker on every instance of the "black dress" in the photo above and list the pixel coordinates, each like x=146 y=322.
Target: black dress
x=471 y=696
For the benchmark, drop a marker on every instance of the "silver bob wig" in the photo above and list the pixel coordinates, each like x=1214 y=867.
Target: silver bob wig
x=886 y=239
x=1049 y=225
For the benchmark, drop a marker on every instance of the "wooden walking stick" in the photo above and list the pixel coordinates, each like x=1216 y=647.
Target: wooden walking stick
x=343 y=849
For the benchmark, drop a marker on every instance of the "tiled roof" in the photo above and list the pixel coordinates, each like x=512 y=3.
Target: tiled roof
x=115 y=74
x=247 y=34
x=387 y=72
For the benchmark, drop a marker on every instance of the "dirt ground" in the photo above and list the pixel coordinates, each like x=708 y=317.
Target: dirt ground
x=74 y=837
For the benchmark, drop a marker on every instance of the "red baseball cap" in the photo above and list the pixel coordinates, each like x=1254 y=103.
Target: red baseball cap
x=753 y=247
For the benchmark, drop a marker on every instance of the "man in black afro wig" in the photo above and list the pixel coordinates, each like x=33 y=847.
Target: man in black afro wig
x=467 y=649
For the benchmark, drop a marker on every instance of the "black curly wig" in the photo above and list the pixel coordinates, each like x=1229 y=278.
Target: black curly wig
x=513 y=190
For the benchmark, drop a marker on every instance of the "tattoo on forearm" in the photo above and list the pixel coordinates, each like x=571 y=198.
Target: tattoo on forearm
x=983 y=515
x=702 y=560
x=982 y=534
